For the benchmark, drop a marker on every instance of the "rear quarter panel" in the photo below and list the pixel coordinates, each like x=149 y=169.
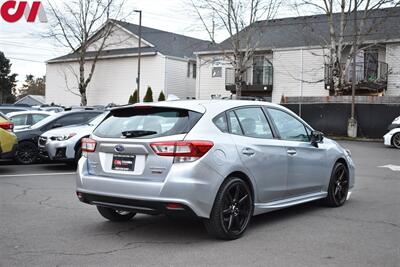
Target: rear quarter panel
x=7 y=141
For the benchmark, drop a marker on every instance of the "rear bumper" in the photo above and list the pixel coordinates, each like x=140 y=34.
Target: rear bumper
x=9 y=154
x=138 y=206
x=193 y=185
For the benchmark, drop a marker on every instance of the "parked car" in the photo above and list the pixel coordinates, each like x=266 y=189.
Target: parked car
x=27 y=151
x=395 y=124
x=8 y=140
x=52 y=108
x=5 y=108
x=64 y=144
x=24 y=119
x=221 y=160
x=392 y=138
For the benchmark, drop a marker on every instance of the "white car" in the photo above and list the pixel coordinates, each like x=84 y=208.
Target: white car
x=392 y=138
x=24 y=119
x=63 y=144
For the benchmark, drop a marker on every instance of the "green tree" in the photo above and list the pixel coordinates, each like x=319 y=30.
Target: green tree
x=149 y=95
x=161 y=97
x=7 y=81
x=133 y=98
x=32 y=86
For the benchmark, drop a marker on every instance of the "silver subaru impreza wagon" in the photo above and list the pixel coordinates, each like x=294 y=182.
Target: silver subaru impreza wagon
x=223 y=161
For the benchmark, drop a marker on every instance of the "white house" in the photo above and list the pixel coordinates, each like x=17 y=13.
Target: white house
x=167 y=64
x=290 y=60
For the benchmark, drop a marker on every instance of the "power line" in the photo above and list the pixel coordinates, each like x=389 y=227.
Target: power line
x=27 y=46
x=21 y=59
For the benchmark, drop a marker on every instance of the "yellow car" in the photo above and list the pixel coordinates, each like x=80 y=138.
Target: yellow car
x=8 y=140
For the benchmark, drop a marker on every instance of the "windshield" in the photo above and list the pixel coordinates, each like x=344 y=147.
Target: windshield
x=46 y=120
x=149 y=122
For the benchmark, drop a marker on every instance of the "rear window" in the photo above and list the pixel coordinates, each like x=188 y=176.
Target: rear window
x=147 y=122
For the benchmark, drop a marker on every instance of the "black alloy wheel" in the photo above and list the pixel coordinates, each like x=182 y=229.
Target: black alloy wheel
x=338 y=186
x=27 y=153
x=232 y=210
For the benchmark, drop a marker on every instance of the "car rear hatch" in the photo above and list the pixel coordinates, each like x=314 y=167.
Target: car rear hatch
x=123 y=142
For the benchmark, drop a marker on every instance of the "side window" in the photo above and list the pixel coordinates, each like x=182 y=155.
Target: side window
x=254 y=123
x=90 y=116
x=221 y=123
x=38 y=117
x=216 y=72
x=71 y=119
x=20 y=120
x=288 y=126
x=234 y=123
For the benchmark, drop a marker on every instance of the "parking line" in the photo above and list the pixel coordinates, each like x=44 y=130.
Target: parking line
x=37 y=174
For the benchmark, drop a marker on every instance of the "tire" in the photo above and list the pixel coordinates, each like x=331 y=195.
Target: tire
x=338 y=186
x=232 y=210
x=396 y=140
x=115 y=215
x=27 y=153
x=78 y=155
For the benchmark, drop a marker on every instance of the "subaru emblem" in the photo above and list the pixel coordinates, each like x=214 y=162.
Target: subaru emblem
x=119 y=148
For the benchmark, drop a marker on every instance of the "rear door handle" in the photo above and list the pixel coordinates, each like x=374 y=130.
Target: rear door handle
x=248 y=151
x=291 y=151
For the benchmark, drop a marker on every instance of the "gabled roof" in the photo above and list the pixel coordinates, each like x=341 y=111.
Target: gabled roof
x=166 y=43
x=314 y=31
x=37 y=98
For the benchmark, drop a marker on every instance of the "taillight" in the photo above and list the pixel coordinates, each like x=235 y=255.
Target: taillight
x=183 y=151
x=88 y=145
x=8 y=126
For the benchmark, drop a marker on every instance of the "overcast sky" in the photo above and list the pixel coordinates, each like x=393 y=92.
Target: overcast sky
x=22 y=43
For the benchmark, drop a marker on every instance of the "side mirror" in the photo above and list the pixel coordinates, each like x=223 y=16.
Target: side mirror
x=316 y=137
x=56 y=125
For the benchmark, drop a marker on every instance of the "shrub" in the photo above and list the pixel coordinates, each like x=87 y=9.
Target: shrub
x=133 y=98
x=161 y=97
x=149 y=95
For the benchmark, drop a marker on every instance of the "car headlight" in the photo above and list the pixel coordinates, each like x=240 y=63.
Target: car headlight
x=63 y=137
x=348 y=153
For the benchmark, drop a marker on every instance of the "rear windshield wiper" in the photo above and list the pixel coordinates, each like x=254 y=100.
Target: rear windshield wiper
x=137 y=133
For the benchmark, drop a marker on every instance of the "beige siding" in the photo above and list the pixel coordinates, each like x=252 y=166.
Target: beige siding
x=177 y=81
x=113 y=81
x=118 y=39
x=393 y=60
x=206 y=85
x=297 y=71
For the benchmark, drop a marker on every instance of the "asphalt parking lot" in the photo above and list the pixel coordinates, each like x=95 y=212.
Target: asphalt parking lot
x=42 y=223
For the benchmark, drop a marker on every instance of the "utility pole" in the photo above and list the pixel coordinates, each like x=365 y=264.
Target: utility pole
x=352 y=123
x=139 y=54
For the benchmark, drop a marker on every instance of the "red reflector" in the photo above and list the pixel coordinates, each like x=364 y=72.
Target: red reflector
x=88 y=145
x=174 y=206
x=8 y=126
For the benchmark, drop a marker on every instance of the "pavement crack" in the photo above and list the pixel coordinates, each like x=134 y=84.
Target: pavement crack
x=23 y=188
x=45 y=203
x=127 y=246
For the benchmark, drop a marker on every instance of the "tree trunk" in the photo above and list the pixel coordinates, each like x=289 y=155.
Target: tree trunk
x=238 y=75
x=83 y=99
x=82 y=84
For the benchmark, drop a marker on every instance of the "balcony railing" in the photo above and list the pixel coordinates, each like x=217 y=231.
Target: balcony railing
x=369 y=77
x=248 y=88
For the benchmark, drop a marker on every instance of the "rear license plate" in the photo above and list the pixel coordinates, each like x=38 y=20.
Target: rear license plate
x=123 y=163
